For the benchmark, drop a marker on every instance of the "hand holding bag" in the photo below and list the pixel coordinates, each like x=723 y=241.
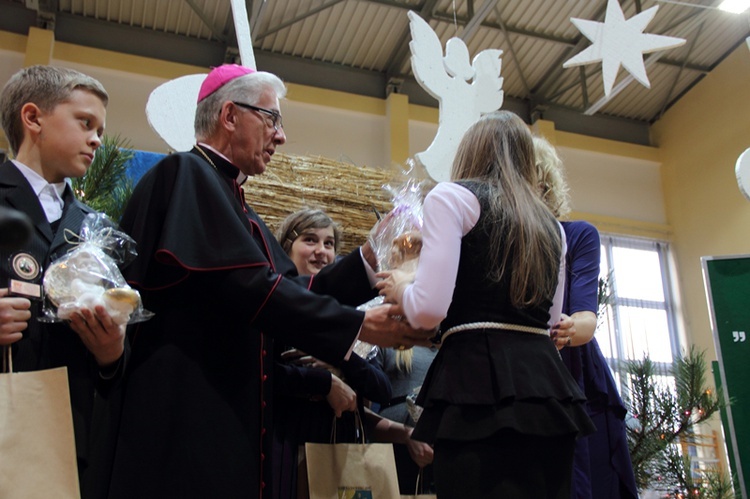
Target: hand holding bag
x=37 y=447
x=351 y=471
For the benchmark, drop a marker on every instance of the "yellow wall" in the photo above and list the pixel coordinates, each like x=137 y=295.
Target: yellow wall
x=700 y=139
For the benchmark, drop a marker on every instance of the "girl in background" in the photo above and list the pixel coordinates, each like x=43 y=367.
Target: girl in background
x=308 y=393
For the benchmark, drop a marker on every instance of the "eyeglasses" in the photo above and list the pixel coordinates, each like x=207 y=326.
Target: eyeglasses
x=275 y=116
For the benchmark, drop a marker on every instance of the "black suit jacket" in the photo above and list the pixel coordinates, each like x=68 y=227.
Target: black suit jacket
x=43 y=345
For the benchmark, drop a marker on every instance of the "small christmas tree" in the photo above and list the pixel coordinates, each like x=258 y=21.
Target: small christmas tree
x=678 y=482
x=662 y=415
x=106 y=186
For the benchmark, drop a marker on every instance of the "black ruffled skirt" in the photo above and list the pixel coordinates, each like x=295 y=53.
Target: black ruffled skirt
x=483 y=381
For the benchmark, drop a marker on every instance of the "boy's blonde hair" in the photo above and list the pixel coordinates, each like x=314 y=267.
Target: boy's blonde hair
x=45 y=86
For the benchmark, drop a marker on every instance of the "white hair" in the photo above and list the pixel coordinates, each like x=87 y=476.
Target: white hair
x=248 y=88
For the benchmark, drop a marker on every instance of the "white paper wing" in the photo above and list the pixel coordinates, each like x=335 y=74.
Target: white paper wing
x=488 y=84
x=170 y=111
x=427 y=57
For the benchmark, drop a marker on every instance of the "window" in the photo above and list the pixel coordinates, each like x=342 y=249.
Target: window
x=639 y=319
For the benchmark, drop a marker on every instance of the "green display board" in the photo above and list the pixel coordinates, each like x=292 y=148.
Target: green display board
x=727 y=280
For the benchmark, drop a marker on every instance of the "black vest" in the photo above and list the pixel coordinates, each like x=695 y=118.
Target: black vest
x=476 y=297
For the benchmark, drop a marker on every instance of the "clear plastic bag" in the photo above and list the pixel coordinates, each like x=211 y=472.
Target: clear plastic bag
x=88 y=275
x=396 y=239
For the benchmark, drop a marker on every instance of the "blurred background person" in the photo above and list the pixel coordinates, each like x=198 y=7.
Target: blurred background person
x=406 y=369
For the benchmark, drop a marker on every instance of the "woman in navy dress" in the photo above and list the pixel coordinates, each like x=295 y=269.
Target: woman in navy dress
x=602 y=466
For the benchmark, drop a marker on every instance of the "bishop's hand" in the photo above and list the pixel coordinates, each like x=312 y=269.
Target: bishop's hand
x=385 y=326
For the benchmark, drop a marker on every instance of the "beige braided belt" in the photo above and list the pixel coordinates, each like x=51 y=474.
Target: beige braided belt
x=493 y=325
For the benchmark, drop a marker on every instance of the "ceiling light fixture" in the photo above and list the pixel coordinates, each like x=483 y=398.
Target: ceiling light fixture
x=735 y=6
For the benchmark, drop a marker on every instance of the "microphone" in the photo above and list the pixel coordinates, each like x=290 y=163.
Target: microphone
x=15 y=229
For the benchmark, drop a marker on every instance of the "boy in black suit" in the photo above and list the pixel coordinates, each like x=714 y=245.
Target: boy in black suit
x=54 y=119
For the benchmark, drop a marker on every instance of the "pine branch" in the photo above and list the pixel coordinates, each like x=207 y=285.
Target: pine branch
x=664 y=416
x=106 y=186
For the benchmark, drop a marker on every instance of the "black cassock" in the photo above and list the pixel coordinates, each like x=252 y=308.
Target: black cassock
x=194 y=420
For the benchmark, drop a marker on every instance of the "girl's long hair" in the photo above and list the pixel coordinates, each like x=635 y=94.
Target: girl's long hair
x=498 y=151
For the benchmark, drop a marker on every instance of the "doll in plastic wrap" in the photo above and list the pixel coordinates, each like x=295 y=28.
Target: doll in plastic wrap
x=405 y=251
x=88 y=276
x=396 y=240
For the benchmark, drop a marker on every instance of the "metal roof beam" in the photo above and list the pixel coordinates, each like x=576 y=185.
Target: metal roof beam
x=392 y=3
x=512 y=50
x=685 y=65
x=298 y=18
x=476 y=20
x=126 y=39
x=257 y=10
x=448 y=18
x=668 y=97
x=217 y=31
x=584 y=86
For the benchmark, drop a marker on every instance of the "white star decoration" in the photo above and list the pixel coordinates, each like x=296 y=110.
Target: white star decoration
x=617 y=42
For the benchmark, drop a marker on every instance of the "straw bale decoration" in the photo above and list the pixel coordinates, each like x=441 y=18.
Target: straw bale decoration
x=350 y=194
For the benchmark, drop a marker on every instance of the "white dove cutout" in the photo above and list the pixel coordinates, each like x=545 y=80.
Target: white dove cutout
x=171 y=107
x=464 y=91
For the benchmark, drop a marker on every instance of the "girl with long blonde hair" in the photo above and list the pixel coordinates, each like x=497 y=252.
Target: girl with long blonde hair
x=500 y=408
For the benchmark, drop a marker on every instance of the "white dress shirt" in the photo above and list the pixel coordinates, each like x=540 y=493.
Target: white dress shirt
x=50 y=195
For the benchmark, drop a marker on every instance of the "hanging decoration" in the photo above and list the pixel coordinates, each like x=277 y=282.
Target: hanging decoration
x=742 y=171
x=464 y=90
x=620 y=42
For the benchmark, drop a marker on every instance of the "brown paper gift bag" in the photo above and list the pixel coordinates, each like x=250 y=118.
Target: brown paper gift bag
x=351 y=471
x=37 y=447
